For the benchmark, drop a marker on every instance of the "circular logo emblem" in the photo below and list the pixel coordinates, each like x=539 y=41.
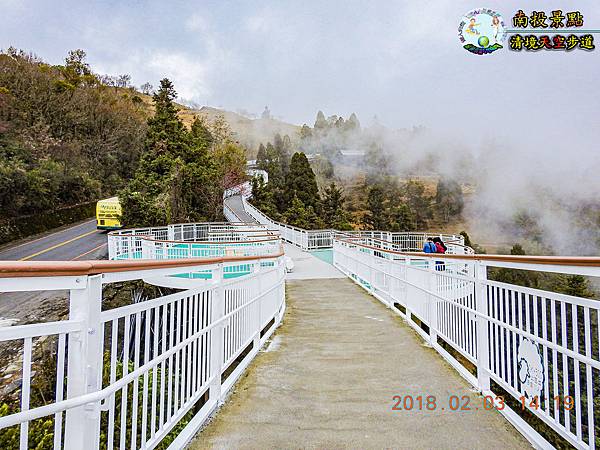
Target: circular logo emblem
x=482 y=31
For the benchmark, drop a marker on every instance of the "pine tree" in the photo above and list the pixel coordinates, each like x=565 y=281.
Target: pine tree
x=576 y=285
x=200 y=134
x=302 y=216
x=376 y=217
x=282 y=147
x=418 y=202
x=333 y=212
x=449 y=198
x=263 y=198
x=301 y=182
x=261 y=157
x=166 y=132
x=352 y=123
x=401 y=218
x=182 y=175
x=320 y=122
x=305 y=133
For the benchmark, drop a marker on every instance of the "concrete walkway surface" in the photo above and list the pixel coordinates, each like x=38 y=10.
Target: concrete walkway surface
x=307 y=266
x=328 y=378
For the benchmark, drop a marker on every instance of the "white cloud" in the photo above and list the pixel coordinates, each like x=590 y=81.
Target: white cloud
x=190 y=75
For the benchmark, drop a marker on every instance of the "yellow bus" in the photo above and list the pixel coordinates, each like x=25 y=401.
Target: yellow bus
x=108 y=214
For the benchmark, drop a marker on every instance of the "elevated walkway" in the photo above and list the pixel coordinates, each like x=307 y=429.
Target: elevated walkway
x=331 y=375
x=328 y=378
x=236 y=205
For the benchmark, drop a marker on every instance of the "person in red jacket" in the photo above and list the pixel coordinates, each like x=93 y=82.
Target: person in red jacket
x=439 y=245
x=441 y=248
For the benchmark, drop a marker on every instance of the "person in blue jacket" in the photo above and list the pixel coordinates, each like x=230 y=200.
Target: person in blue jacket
x=429 y=246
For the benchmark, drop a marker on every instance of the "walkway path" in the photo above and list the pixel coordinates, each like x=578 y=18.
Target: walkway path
x=236 y=204
x=328 y=378
x=307 y=266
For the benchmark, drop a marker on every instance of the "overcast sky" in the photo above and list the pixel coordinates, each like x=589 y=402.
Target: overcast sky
x=399 y=60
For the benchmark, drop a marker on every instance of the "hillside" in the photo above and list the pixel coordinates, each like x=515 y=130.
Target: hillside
x=247 y=132
x=250 y=132
x=65 y=138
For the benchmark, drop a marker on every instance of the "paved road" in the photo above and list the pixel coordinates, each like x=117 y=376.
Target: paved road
x=80 y=241
x=77 y=242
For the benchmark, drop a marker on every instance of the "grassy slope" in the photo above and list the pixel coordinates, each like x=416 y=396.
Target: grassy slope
x=248 y=132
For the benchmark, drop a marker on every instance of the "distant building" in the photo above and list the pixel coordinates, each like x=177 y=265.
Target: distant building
x=351 y=156
x=352 y=153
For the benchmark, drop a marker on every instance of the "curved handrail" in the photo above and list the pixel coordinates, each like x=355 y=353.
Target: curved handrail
x=585 y=261
x=146 y=243
x=273 y=238
x=18 y=269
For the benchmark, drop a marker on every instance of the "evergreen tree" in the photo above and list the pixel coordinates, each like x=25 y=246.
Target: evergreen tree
x=301 y=182
x=305 y=133
x=320 y=122
x=376 y=217
x=449 y=198
x=165 y=146
x=467 y=238
x=166 y=133
x=263 y=198
x=519 y=277
x=333 y=212
x=418 y=202
x=182 y=175
x=401 y=218
x=261 y=157
x=377 y=164
x=576 y=285
x=352 y=123
x=286 y=153
x=302 y=216
x=200 y=134
x=282 y=148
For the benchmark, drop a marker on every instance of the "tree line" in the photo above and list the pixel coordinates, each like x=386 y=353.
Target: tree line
x=65 y=137
x=292 y=194
x=68 y=136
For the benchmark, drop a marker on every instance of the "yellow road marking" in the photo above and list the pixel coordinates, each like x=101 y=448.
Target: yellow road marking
x=48 y=235
x=89 y=251
x=58 y=245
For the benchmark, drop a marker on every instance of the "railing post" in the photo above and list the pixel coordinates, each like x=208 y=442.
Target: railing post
x=217 y=349
x=432 y=287
x=84 y=366
x=111 y=246
x=258 y=275
x=483 y=377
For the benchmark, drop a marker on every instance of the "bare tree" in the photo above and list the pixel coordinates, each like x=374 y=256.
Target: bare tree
x=123 y=80
x=146 y=88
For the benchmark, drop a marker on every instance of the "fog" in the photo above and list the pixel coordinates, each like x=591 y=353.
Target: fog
x=538 y=192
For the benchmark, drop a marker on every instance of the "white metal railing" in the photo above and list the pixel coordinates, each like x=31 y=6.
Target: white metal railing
x=318 y=239
x=540 y=347
x=186 y=240
x=126 y=376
